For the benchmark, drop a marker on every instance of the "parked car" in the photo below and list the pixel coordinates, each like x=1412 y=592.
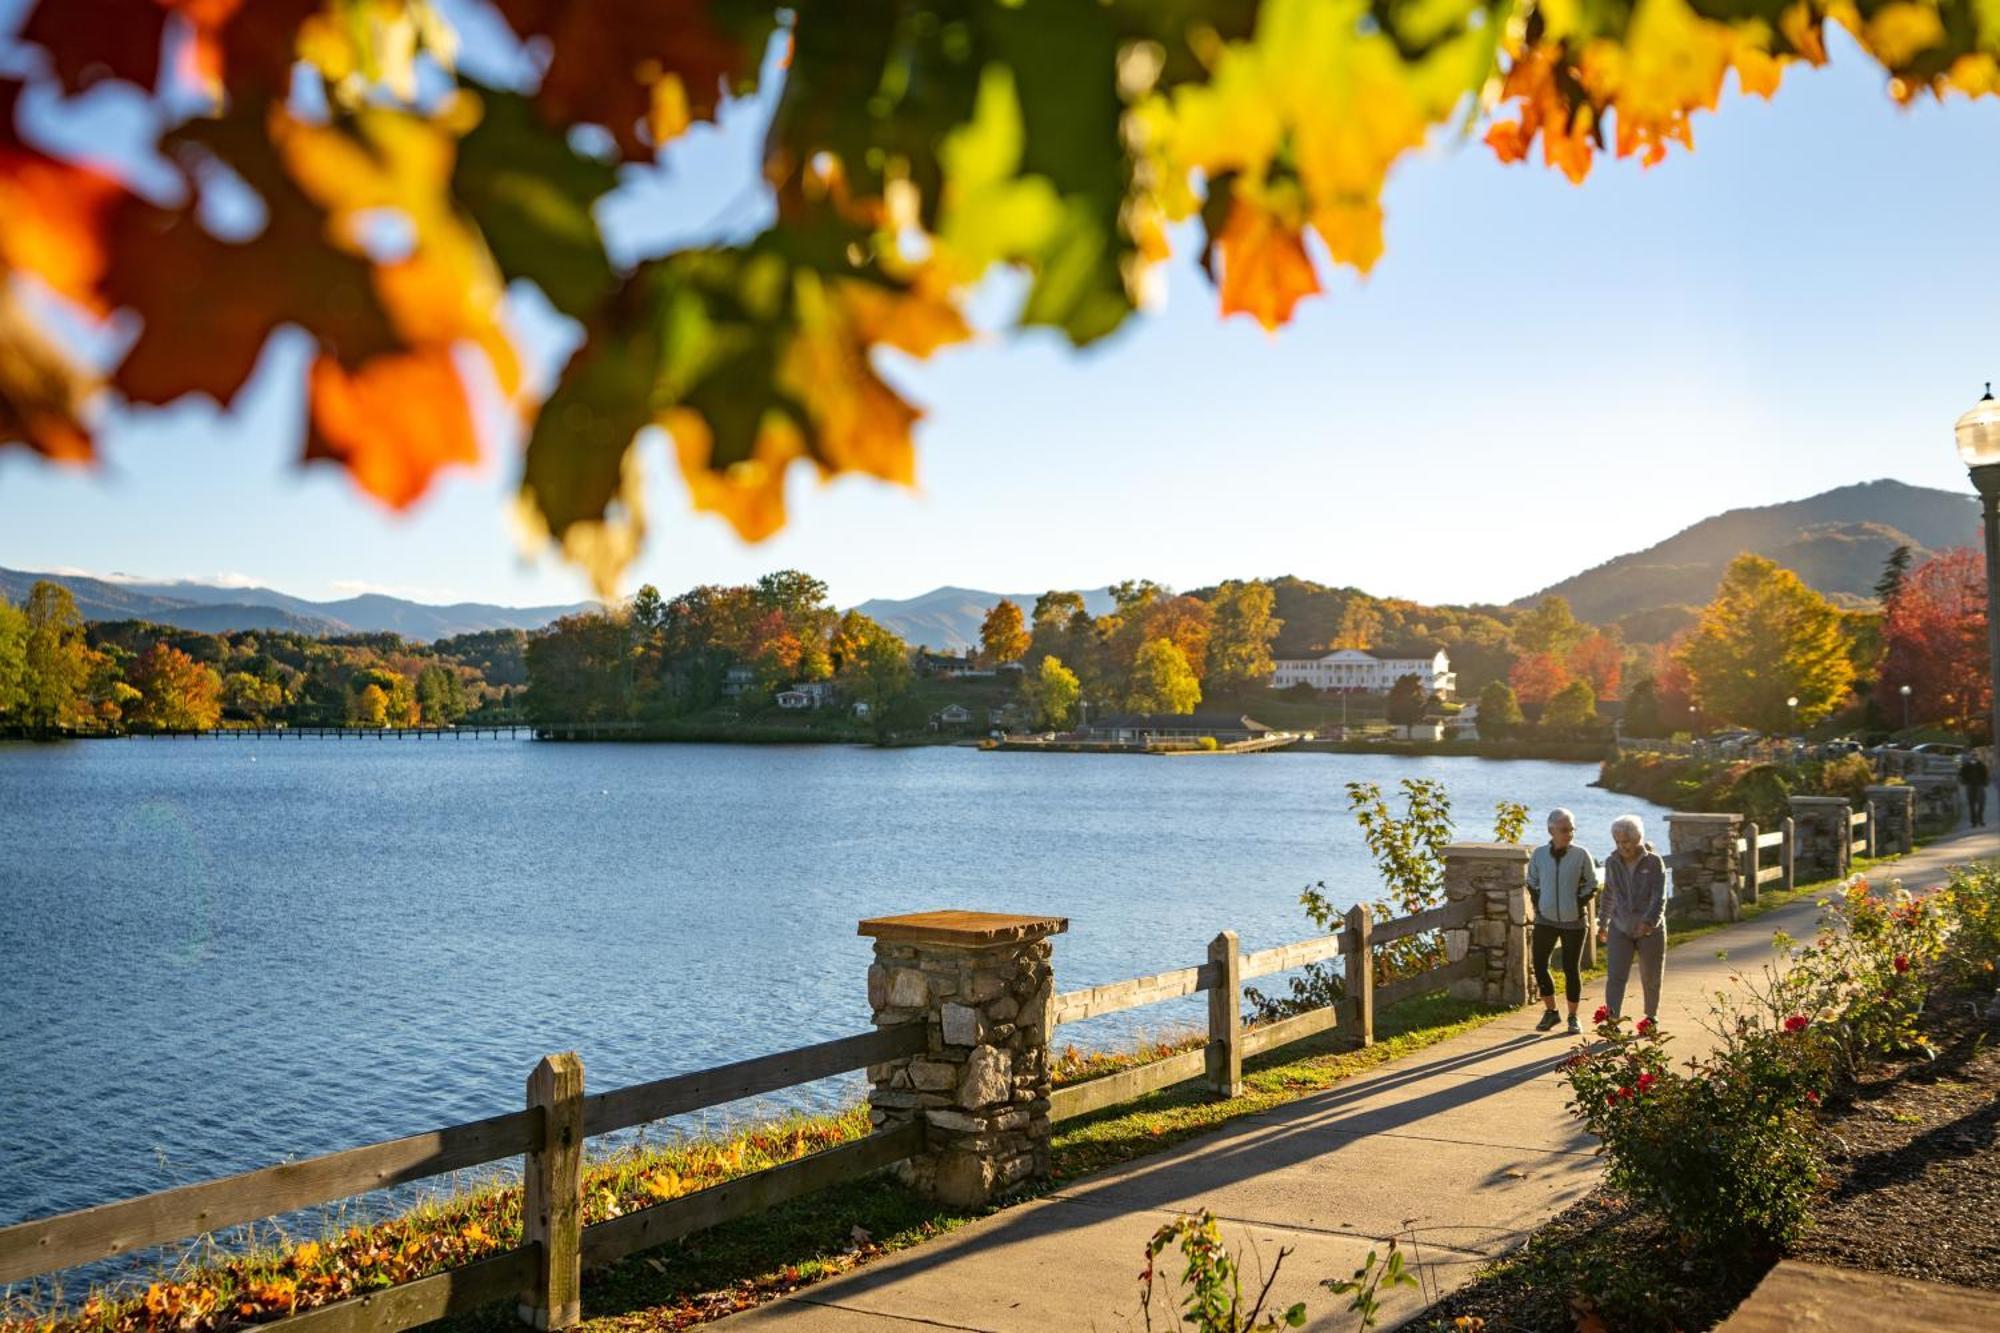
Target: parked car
x=1840 y=745
x=1944 y=748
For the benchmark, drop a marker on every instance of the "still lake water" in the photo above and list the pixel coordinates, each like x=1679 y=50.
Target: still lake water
x=218 y=954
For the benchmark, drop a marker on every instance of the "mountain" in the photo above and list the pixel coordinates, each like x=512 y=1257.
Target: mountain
x=949 y=618
x=213 y=608
x=1836 y=540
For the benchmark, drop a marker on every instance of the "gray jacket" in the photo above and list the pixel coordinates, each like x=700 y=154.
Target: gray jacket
x=1561 y=888
x=1635 y=896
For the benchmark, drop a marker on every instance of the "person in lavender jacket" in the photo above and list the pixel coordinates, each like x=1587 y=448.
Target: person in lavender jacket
x=1634 y=917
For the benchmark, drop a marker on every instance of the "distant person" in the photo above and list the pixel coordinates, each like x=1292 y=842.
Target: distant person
x=1972 y=776
x=1562 y=878
x=1634 y=918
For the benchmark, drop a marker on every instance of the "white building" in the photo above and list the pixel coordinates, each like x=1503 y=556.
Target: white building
x=1352 y=669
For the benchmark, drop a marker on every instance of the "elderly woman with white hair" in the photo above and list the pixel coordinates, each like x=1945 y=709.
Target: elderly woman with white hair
x=1562 y=879
x=1634 y=919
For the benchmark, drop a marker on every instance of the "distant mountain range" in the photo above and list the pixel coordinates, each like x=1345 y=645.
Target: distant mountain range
x=213 y=608
x=948 y=619
x=1836 y=541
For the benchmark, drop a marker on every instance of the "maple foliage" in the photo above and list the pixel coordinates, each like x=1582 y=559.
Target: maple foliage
x=913 y=147
x=1934 y=641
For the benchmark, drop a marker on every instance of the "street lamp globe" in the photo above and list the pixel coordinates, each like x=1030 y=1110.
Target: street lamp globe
x=1978 y=432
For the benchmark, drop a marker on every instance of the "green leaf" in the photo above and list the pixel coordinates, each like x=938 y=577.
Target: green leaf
x=531 y=195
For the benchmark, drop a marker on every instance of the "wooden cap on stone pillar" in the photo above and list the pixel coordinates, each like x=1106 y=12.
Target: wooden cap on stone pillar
x=963 y=930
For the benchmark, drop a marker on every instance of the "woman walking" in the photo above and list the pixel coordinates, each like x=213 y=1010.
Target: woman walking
x=1562 y=878
x=1635 y=917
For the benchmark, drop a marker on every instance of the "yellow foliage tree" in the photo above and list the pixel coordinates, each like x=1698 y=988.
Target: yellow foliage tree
x=1767 y=638
x=1162 y=681
x=1003 y=635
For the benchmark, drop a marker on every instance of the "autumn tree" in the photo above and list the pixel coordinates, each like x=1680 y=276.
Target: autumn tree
x=1550 y=628
x=55 y=658
x=370 y=707
x=1161 y=680
x=1240 y=633
x=1054 y=610
x=1537 y=677
x=1003 y=637
x=1573 y=708
x=1499 y=711
x=1052 y=691
x=1406 y=701
x=441 y=694
x=1643 y=717
x=1934 y=641
x=1185 y=622
x=875 y=670
x=13 y=660
x=251 y=698
x=1599 y=659
x=1767 y=637
x=1360 y=625
x=176 y=693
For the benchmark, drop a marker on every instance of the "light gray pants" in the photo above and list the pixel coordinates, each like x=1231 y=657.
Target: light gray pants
x=1652 y=951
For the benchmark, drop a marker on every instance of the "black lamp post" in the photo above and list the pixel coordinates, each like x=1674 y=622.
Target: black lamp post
x=1978 y=433
x=1904 y=690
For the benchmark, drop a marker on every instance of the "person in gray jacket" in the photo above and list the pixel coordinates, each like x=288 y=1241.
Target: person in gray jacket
x=1634 y=919
x=1562 y=879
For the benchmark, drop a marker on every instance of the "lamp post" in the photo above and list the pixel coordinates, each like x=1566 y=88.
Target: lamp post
x=1904 y=690
x=1978 y=433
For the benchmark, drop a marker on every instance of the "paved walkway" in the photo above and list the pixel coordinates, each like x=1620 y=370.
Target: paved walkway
x=1466 y=1145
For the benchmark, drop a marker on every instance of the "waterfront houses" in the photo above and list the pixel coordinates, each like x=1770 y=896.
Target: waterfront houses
x=1144 y=728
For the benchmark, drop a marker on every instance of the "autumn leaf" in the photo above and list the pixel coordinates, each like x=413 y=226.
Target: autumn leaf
x=43 y=394
x=53 y=215
x=1265 y=269
x=91 y=40
x=392 y=423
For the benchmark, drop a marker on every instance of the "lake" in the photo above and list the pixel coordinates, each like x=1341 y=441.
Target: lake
x=218 y=954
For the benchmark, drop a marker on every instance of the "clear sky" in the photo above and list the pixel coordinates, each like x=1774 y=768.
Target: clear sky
x=1535 y=379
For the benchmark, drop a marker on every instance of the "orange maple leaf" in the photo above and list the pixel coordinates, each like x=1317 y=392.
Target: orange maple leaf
x=393 y=422
x=1265 y=268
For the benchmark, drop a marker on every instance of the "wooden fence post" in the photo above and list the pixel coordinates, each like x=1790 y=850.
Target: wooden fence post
x=1871 y=822
x=1786 y=851
x=1225 y=1018
x=552 y=1195
x=1359 y=950
x=1751 y=856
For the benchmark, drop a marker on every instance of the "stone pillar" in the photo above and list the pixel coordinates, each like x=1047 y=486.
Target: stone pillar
x=981 y=984
x=1896 y=808
x=1708 y=871
x=1492 y=878
x=1824 y=835
x=1937 y=804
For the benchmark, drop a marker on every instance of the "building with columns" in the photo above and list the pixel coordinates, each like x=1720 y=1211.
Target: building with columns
x=1355 y=670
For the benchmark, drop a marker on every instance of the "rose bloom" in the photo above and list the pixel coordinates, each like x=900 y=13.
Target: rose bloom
x=1645 y=1026
x=1602 y=1016
x=1902 y=963
x=1646 y=1082
x=1797 y=1023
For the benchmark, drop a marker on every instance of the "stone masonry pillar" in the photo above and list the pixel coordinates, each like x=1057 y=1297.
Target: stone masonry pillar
x=1895 y=807
x=1493 y=878
x=981 y=984
x=1937 y=804
x=1708 y=872
x=1825 y=836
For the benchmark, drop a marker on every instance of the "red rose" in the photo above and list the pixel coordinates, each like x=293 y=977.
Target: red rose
x=1812 y=1098
x=1645 y=1026
x=1602 y=1016
x=1797 y=1023
x=1646 y=1082
x=1902 y=963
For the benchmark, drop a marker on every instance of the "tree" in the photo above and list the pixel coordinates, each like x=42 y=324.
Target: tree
x=1499 y=711
x=176 y=693
x=13 y=659
x=371 y=707
x=1537 y=677
x=1053 y=612
x=1643 y=717
x=876 y=671
x=1934 y=641
x=54 y=657
x=649 y=610
x=1764 y=638
x=1600 y=659
x=1053 y=692
x=251 y=698
x=441 y=694
x=1573 y=708
x=1894 y=570
x=1002 y=636
x=1406 y=701
x=1550 y=628
x=1240 y=634
x=1360 y=625
x=1161 y=680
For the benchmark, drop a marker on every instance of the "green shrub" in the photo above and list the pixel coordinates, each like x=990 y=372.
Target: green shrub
x=1973 y=951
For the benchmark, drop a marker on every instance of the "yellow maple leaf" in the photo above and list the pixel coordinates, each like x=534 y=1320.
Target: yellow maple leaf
x=749 y=493
x=1265 y=268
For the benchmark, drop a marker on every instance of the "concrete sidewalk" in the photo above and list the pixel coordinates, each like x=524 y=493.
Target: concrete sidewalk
x=1463 y=1148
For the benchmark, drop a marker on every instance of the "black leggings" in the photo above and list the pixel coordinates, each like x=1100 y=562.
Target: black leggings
x=1544 y=945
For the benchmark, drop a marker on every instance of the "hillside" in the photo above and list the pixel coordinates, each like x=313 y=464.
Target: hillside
x=1836 y=540
x=214 y=609
x=949 y=618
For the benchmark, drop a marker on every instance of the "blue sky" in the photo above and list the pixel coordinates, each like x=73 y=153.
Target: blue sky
x=1535 y=379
